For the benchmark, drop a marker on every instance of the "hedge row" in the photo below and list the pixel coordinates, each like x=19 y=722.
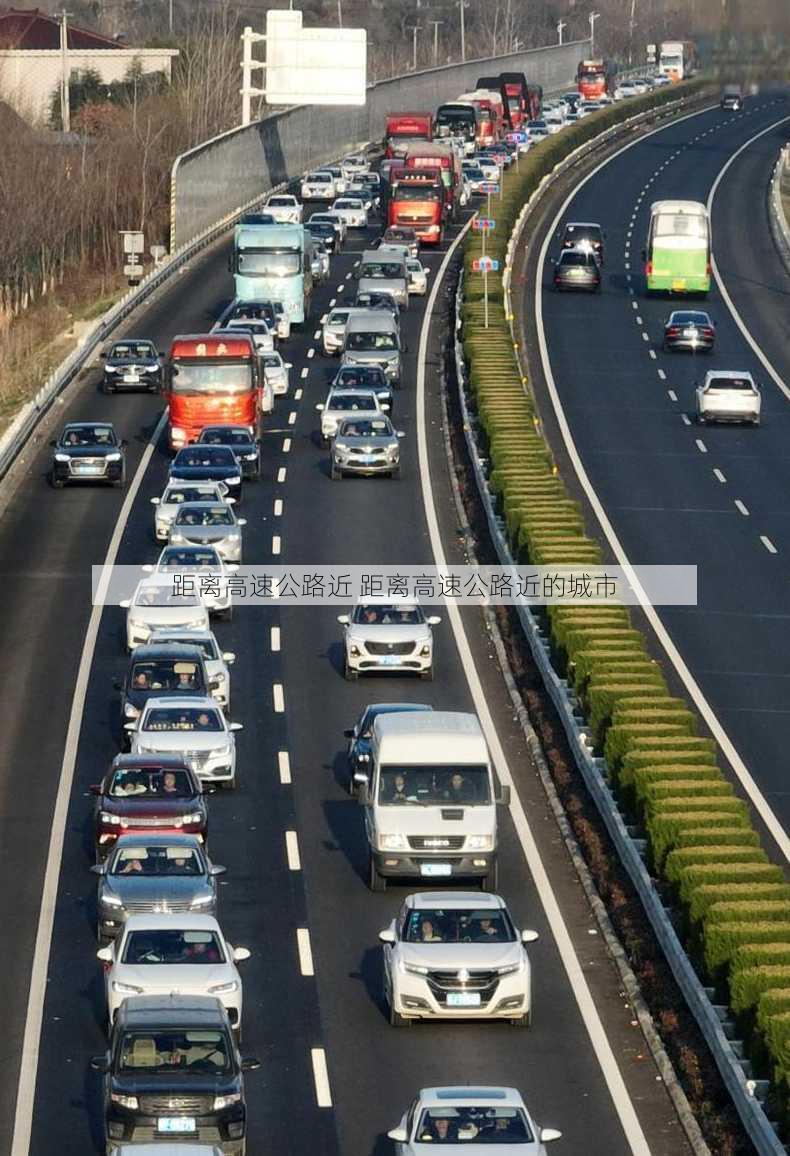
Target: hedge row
x=701 y=842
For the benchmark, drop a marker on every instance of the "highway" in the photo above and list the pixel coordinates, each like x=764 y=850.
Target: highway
x=58 y=718
x=673 y=491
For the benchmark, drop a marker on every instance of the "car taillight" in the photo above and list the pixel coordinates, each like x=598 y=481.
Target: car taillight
x=673 y=331
x=707 y=330
x=649 y=268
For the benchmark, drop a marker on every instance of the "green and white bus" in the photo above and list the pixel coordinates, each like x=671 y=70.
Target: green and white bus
x=677 y=258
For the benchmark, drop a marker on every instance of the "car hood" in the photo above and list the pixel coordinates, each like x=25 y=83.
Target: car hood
x=166 y=741
x=88 y=451
x=415 y=819
x=359 y=630
x=175 y=1085
x=368 y=444
x=174 y=978
x=534 y=1148
x=204 y=473
x=207 y=533
x=134 y=806
x=164 y=889
x=451 y=956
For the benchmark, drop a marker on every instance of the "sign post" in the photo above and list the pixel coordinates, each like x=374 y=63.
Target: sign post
x=483 y=225
x=485 y=265
x=133 y=246
x=489 y=187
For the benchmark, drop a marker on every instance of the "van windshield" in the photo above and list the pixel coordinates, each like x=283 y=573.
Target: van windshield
x=434 y=785
x=386 y=270
x=374 y=341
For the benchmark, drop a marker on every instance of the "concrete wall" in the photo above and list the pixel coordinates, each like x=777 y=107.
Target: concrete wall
x=229 y=173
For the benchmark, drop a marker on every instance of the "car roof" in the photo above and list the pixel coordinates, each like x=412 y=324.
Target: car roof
x=582 y=225
x=154 y=921
x=88 y=421
x=171 y=1010
x=170 y=649
x=226 y=426
x=174 y=762
x=439 y=723
x=204 y=505
x=463 y=900
x=181 y=702
x=375 y=319
x=473 y=1095
x=203 y=635
x=738 y=374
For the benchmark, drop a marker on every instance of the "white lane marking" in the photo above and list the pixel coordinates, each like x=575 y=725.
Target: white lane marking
x=281 y=474
x=672 y=395
x=292 y=851
x=349 y=275
x=284 y=766
x=743 y=510
x=684 y=417
x=340 y=288
x=305 y=951
x=292 y=417
x=286 y=445
x=311 y=353
x=755 y=348
x=31 y=1041
x=768 y=544
x=317 y=334
x=331 y=304
x=298 y=394
x=576 y=977
x=653 y=354
x=703 y=449
x=693 y=688
x=645 y=336
x=323 y=1094
x=662 y=375
x=278 y=507
x=278 y=698
x=720 y=476
x=276 y=544
x=274 y=639
x=628 y=264
x=305 y=372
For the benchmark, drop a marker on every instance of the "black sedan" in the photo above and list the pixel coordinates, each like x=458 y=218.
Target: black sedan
x=365 y=377
x=359 y=738
x=326 y=232
x=577 y=270
x=131 y=364
x=88 y=451
x=241 y=441
x=200 y=463
x=690 y=329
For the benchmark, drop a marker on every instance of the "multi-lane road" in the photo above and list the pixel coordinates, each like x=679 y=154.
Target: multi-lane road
x=582 y=1066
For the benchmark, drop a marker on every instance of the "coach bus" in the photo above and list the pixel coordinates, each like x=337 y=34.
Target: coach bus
x=677 y=257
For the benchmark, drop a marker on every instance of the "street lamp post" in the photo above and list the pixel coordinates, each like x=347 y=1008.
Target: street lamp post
x=462 y=5
x=593 y=17
x=415 y=28
x=436 y=24
x=560 y=26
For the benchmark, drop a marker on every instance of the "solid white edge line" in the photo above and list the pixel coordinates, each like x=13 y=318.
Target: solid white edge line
x=292 y=851
x=305 y=951
x=768 y=544
x=28 y=1068
x=284 y=766
x=758 y=800
x=323 y=1094
x=278 y=698
x=576 y=979
x=274 y=638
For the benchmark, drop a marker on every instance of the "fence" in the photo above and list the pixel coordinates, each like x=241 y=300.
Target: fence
x=229 y=173
x=779 y=201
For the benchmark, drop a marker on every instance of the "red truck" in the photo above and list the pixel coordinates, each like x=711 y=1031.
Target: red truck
x=595 y=78
x=416 y=200
x=490 y=114
x=211 y=381
x=405 y=127
x=441 y=156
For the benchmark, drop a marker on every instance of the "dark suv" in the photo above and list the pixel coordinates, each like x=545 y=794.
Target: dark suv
x=167 y=668
x=584 y=238
x=173 y=1073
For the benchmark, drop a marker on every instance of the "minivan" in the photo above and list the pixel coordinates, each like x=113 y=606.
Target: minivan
x=384 y=272
x=373 y=338
x=430 y=806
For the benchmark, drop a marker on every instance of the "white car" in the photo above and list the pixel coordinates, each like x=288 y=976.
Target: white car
x=344 y=403
x=209 y=524
x=389 y=636
x=165 y=954
x=418 y=277
x=470 y=1118
x=338 y=177
x=641 y=85
x=168 y=505
x=259 y=331
x=474 y=177
x=351 y=211
x=318 y=186
x=209 y=569
x=217 y=661
x=354 y=164
x=625 y=89
x=728 y=395
x=193 y=728
x=490 y=167
x=277 y=373
x=451 y=954
x=157 y=606
x=333 y=330
x=285 y=209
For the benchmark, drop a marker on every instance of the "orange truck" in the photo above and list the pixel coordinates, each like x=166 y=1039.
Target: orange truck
x=416 y=200
x=490 y=116
x=211 y=380
x=403 y=128
x=595 y=78
x=440 y=155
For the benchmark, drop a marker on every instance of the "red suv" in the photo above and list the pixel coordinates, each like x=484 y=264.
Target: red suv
x=147 y=793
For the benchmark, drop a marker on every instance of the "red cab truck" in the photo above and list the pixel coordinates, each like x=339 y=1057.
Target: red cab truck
x=595 y=78
x=443 y=156
x=416 y=200
x=490 y=115
x=211 y=380
x=405 y=127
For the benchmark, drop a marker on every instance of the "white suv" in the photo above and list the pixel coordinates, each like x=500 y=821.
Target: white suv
x=388 y=636
x=319 y=186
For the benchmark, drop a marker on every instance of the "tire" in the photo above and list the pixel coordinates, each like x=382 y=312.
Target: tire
x=524 y=1021
x=427 y=675
x=397 y=1020
x=376 y=882
x=349 y=673
x=755 y=421
x=490 y=881
x=56 y=483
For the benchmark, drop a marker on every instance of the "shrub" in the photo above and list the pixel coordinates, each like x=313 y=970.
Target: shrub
x=602 y=697
x=748 y=985
x=665 y=831
x=710 y=894
x=676 y=752
x=626 y=736
x=699 y=874
x=607 y=666
x=738 y=910
x=772 y=1002
x=759 y=948
x=629 y=774
x=681 y=858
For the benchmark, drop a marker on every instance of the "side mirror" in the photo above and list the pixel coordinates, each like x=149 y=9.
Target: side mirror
x=241 y=521
x=124 y=443
x=240 y=954
x=384 y=407
x=95 y=789
x=399 y=1135
x=401 y=433
x=125 y=604
x=387 y=936
x=99 y=868
x=289 y=365
x=229 y=501
x=349 y=733
x=217 y=869
x=363 y=795
x=434 y=620
x=229 y=657
x=529 y=936
x=250 y=1064
x=503 y=799
x=105 y=954
x=101 y=1063
x=549 y=1134
x=130 y=726
x=155 y=501
x=343 y=619
x=213 y=685
x=235 y=726
x=319 y=407
x=148 y=568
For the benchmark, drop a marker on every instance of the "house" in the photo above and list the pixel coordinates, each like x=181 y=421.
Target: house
x=32 y=58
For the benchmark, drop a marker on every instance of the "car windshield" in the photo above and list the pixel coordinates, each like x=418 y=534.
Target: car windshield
x=474 y=1125
x=164 y=596
x=388 y=614
x=165 y=674
x=201 y=456
x=363 y=375
x=474 y=173
x=177 y=495
x=536 y=124
x=158 y=860
x=680 y=318
x=365 y=429
x=321 y=228
x=212 y=377
x=152 y=783
x=282 y=202
x=381 y=270
x=186 y=557
x=173 y=946
x=337 y=317
x=372 y=341
x=573 y=258
x=434 y=785
x=167 y=1051
x=459 y=925
x=272 y=361
x=88 y=435
x=346 y=402
x=204 y=516
x=182 y=719
x=739 y=383
x=578 y=233
x=348 y=204
x=226 y=436
x=133 y=349
x=267 y=263
x=421 y=192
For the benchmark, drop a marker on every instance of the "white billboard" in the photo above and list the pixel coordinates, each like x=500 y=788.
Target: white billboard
x=313 y=65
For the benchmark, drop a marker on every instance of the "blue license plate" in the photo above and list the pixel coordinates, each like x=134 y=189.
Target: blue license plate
x=176 y=1124
x=435 y=869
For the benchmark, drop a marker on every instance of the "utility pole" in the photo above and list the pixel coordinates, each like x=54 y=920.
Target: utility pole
x=415 y=28
x=631 y=23
x=65 y=108
x=340 y=13
x=560 y=26
x=593 y=17
x=462 y=4
x=170 y=16
x=436 y=24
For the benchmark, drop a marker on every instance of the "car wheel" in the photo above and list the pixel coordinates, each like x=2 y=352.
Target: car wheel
x=397 y=1020
x=335 y=474
x=376 y=881
x=395 y=474
x=701 y=419
x=490 y=881
x=349 y=673
x=121 y=481
x=106 y=388
x=524 y=1021
x=427 y=675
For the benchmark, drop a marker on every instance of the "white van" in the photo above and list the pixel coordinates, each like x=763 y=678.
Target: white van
x=430 y=809
x=384 y=271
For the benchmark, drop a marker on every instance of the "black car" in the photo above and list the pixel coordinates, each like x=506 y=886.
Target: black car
x=731 y=98
x=132 y=364
x=173 y=1072
x=88 y=451
x=326 y=232
x=360 y=734
x=145 y=793
x=577 y=270
x=272 y=312
x=158 y=671
x=366 y=377
x=370 y=299
x=201 y=463
x=246 y=448
x=690 y=329
x=584 y=238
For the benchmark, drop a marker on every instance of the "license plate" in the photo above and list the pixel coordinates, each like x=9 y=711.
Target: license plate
x=689 y=333
x=88 y=470
x=390 y=660
x=176 y=1124
x=679 y=283
x=463 y=999
x=435 y=869
x=131 y=377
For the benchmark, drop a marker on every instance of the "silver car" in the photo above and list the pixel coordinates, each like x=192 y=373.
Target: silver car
x=418 y=277
x=343 y=403
x=351 y=211
x=285 y=209
x=157 y=605
x=460 y=1116
x=366 y=446
x=388 y=636
x=218 y=662
x=209 y=524
x=152 y=873
x=171 y=501
x=206 y=567
x=728 y=395
x=195 y=729
x=259 y=331
x=277 y=373
x=333 y=331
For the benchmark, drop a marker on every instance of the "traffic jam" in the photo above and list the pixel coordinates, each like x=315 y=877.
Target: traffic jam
x=173 y=1072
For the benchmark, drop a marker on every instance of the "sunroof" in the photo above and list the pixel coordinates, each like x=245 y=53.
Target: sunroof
x=471 y=1094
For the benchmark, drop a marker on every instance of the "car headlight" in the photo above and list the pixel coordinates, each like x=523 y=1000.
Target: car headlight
x=224 y=988
x=251 y=457
x=109 y=819
x=392 y=843
x=177 y=536
x=112 y=369
x=221 y=1102
x=218 y=677
x=131 y=711
x=341 y=448
x=511 y=968
x=62 y=458
x=113 y=458
x=479 y=842
x=202 y=900
x=177 y=435
x=414 y=969
x=111 y=901
x=130 y=1102
x=195 y=817
x=126 y=988
x=234 y=481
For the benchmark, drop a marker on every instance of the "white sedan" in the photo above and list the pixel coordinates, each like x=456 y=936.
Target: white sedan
x=285 y=209
x=728 y=395
x=418 y=277
x=174 y=497
x=162 y=954
x=277 y=373
x=157 y=605
x=211 y=569
x=351 y=211
x=195 y=729
x=470 y=1118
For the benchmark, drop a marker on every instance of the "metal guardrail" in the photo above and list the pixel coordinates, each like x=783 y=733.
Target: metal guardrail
x=780 y=182
x=750 y=1110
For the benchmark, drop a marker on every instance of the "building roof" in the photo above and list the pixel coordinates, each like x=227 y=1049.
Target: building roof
x=30 y=28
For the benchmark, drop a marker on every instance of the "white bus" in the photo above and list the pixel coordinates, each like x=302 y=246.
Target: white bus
x=677 y=258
